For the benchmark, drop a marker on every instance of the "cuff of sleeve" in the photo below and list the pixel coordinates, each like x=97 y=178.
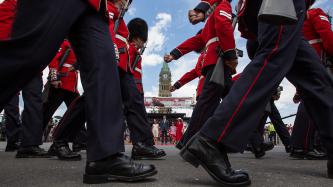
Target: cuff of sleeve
x=230 y=54
x=176 y=54
x=202 y=7
x=177 y=85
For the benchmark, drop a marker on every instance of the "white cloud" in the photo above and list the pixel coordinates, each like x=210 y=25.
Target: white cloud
x=157 y=39
x=178 y=69
x=153 y=92
x=131 y=11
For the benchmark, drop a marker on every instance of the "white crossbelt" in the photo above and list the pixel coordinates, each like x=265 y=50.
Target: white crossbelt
x=122 y=39
x=67 y=65
x=212 y=40
x=314 y=41
x=138 y=70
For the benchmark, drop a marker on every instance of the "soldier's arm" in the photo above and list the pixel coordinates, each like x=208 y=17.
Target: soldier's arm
x=192 y=44
x=323 y=27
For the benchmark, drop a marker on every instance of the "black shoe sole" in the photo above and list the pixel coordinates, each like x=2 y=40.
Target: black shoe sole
x=32 y=156
x=148 y=157
x=70 y=159
x=193 y=160
x=330 y=175
x=100 y=179
x=259 y=155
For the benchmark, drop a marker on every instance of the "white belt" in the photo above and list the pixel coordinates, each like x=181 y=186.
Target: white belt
x=314 y=41
x=138 y=70
x=122 y=39
x=67 y=65
x=212 y=40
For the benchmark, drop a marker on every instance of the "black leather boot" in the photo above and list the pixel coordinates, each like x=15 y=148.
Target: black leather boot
x=32 y=152
x=117 y=167
x=77 y=147
x=207 y=153
x=143 y=151
x=62 y=151
x=307 y=155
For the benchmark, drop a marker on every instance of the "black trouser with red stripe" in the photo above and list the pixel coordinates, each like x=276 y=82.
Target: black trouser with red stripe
x=303 y=131
x=71 y=126
x=282 y=53
x=208 y=100
x=38 y=31
x=12 y=123
x=54 y=99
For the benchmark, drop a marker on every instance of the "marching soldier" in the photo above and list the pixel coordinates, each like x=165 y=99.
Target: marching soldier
x=11 y=110
x=218 y=39
x=35 y=38
x=317 y=30
x=134 y=109
x=31 y=134
x=61 y=87
x=282 y=52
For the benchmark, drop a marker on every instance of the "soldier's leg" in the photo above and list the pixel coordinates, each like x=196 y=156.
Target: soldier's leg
x=303 y=130
x=13 y=127
x=134 y=111
x=92 y=44
x=38 y=31
x=137 y=120
x=208 y=101
x=32 y=122
x=279 y=125
x=72 y=121
x=54 y=100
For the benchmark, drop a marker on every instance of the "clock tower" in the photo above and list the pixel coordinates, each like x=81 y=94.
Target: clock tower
x=165 y=81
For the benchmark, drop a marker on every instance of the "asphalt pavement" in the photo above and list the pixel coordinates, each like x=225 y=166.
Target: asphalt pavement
x=273 y=170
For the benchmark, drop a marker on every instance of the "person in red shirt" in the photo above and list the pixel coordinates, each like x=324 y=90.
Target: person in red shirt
x=62 y=87
x=134 y=109
x=217 y=36
x=317 y=30
x=179 y=127
x=30 y=130
x=35 y=38
x=282 y=53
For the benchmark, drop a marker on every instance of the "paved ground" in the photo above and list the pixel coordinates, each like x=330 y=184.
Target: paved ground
x=275 y=169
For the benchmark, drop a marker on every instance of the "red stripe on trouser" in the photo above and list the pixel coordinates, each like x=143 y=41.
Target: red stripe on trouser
x=252 y=85
x=65 y=117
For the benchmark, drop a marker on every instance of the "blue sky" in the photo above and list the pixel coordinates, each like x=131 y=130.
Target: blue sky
x=169 y=27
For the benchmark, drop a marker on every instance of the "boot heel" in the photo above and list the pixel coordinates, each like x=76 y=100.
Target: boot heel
x=190 y=158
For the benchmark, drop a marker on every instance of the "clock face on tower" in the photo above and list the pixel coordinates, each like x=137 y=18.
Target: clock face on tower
x=165 y=76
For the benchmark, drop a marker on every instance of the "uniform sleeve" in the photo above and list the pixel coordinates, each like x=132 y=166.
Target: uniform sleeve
x=192 y=44
x=186 y=78
x=321 y=23
x=224 y=30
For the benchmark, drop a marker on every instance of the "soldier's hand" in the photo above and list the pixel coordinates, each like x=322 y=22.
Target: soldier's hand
x=232 y=64
x=172 y=88
x=195 y=16
x=56 y=84
x=168 y=58
x=297 y=98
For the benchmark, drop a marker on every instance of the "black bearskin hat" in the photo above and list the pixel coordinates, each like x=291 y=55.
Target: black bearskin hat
x=138 y=28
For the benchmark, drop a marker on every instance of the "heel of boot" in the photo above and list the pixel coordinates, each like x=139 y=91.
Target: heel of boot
x=190 y=158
